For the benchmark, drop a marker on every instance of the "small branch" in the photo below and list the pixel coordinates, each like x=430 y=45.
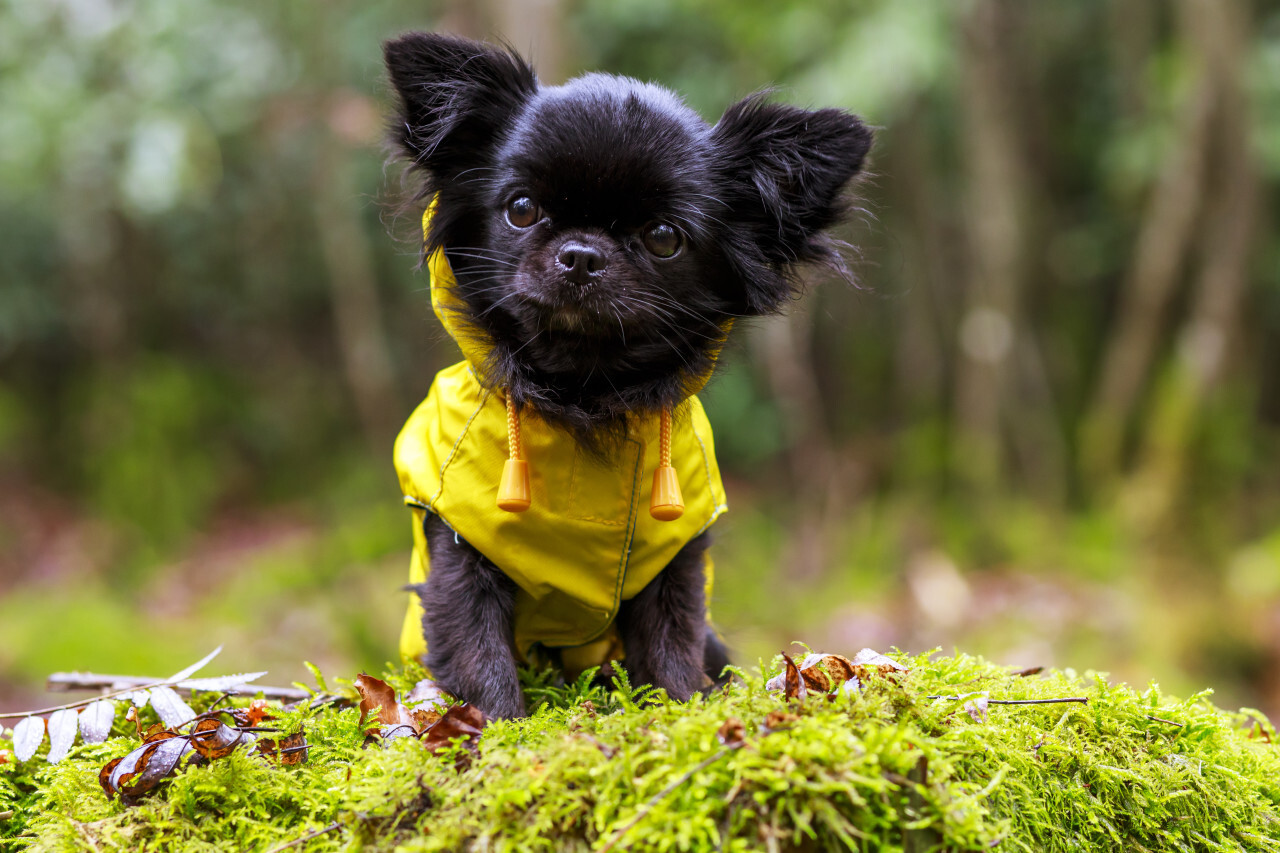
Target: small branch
x=1083 y=700
x=324 y=830
x=65 y=682
x=86 y=702
x=1163 y=720
x=661 y=795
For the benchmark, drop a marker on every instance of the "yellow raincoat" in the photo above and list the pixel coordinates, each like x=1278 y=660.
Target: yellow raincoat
x=586 y=543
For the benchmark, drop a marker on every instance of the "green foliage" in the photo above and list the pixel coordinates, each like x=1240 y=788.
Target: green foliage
x=885 y=769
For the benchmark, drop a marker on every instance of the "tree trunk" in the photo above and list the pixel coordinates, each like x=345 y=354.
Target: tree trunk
x=1166 y=232
x=997 y=213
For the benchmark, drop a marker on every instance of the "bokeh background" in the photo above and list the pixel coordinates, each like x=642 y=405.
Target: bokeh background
x=1044 y=428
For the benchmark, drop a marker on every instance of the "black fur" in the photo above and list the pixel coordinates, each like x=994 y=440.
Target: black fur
x=664 y=628
x=603 y=158
x=469 y=604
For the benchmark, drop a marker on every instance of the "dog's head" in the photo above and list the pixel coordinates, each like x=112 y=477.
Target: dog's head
x=603 y=235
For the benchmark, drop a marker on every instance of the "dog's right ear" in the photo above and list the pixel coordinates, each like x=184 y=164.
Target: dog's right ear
x=455 y=94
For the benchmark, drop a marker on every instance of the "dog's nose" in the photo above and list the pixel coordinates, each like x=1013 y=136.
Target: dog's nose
x=579 y=262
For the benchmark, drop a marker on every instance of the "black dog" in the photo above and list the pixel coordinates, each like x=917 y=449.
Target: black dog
x=602 y=237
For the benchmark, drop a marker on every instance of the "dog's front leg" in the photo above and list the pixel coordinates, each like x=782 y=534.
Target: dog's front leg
x=663 y=628
x=468 y=605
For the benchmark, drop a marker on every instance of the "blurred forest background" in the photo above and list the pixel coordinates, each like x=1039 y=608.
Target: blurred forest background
x=1044 y=429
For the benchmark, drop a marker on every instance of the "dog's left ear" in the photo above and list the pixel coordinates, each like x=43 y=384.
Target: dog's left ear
x=783 y=173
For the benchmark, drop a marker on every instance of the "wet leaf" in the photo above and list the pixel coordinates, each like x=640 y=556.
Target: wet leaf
x=977 y=706
x=27 y=737
x=214 y=739
x=139 y=698
x=184 y=674
x=96 y=720
x=141 y=770
x=170 y=707
x=63 y=726
x=287 y=750
x=869 y=662
x=732 y=733
x=426 y=702
x=465 y=721
x=221 y=684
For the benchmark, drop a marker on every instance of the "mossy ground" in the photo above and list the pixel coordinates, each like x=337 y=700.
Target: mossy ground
x=1127 y=771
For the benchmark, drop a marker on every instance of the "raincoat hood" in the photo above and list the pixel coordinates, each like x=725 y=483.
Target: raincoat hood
x=587 y=541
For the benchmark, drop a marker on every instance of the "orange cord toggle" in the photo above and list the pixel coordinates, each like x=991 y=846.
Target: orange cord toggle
x=666 y=503
x=513 y=491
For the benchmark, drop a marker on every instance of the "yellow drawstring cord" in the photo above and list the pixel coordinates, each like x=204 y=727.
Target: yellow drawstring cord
x=513 y=491
x=666 y=502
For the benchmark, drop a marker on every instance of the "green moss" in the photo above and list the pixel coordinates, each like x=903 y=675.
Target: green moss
x=1128 y=770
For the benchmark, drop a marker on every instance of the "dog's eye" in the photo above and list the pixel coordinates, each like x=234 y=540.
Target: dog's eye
x=662 y=240
x=522 y=212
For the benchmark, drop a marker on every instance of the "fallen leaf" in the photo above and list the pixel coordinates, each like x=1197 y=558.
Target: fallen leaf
x=157 y=731
x=96 y=720
x=376 y=693
x=254 y=715
x=823 y=673
x=778 y=720
x=6 y=757
x=465 y=721
x=1031 y=670
x=63 y=726
x=733 y=733
x=141 y=770
x=170 y=707
x=214 y=739
x=976 y=707
x=792 y=684
x=27 y=737
x=869 y=662
x=184 y=674
x=427 y=702
x=221 y=684
x=288 y=750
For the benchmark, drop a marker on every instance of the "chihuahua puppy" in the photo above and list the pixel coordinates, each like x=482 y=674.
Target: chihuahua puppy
x=590 y=246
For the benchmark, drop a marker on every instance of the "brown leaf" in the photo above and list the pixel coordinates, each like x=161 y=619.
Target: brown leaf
x=141 y=770
x=214 y=739
x=1029 y=671
x=288 y=750
x=158 y=731
x=778 y=720
x=792 y=685
x=465 y=721
x=733 y=733
x=376 y=693
x=252 y=716
x=824 y=673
